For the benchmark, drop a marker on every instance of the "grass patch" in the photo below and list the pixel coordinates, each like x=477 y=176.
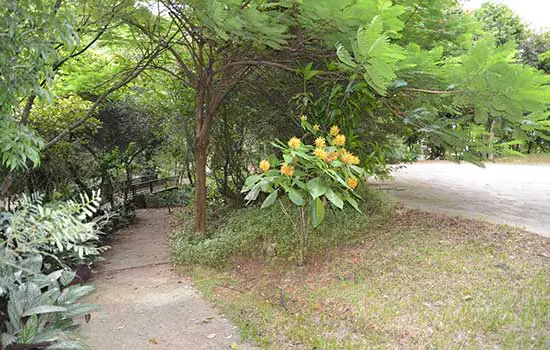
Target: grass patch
x=419 y=281
x=539 y=158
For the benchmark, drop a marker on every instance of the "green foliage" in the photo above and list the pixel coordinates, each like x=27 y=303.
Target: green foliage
x=374 y=55
x=534 y=50
x=169 y=199
x=49 y=119
x=41 y=307
x=309 y=174
x=493 y=84
x=269 y=232
x=19 y=145
x=501 y=22
x=29 y=30
x=230 y=20
x=54 y=228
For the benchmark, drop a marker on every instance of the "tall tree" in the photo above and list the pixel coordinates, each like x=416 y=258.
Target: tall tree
x=448 y=91
x=501 y=22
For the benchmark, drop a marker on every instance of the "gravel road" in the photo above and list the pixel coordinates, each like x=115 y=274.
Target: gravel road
x=517 y=195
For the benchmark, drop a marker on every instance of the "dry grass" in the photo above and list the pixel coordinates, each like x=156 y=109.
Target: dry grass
x=423 y=281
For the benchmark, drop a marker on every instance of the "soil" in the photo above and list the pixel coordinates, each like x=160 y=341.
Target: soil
x=512 y=194
x=145 y=303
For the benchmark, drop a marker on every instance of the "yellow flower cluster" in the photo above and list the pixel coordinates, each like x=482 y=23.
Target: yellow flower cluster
x=320 y=153
x=340 y=140
x=352 y=182
x=334 y=130
x=287 y=170
x=303 y=118
x=264 y=165
x=316 y=127
x=331 y=157
x=349 y=158
x=320 y=142
x=294 y=143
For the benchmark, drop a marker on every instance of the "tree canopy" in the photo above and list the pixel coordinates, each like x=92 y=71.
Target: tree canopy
x=199 y=87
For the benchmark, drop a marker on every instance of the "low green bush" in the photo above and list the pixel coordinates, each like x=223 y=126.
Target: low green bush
x=268 y=232
x=169 y=199
x=38 y=299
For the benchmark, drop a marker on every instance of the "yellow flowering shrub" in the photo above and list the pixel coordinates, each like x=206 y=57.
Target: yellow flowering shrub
x=264 y=166
x=294 y=143
x=340 y=140
x=287 y=170
x=320 y=142
x=314 y=171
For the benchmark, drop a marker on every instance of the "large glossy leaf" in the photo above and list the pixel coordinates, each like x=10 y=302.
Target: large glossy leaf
x=334 y=199
x=317 y=212
x=296 y=197
x=270 y=200
x=44 y=309
x=317 y=187
x=353 y=203
x=253 y=194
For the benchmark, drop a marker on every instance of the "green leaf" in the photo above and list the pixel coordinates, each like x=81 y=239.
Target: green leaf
x=270 y=200
x=44 y=309
x=317 y=212
x=316 y=187
x=353 y=203
x=296 y=197
x=334 y=199
x=30 y=330
x=344 y=56
x=253 y=194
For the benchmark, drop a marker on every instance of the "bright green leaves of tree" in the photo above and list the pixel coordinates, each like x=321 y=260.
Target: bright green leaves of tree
x=373 y=56
x=231 y=20
x=18 y=145
x=29 y=29
x=501 y=22
x=488 y=79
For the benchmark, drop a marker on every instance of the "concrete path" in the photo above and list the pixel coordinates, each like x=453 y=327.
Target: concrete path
x=145 y=303
x=517 y=195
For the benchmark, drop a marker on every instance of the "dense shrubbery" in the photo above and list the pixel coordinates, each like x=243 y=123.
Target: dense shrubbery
x=169 y=199
x=268 y=232
x=38 y=299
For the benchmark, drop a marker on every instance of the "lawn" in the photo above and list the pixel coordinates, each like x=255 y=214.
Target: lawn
x=419 y=281
x=539 y=158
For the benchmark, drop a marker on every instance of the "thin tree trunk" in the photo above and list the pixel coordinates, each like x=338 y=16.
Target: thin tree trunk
x=492 y=140
x=200 y=185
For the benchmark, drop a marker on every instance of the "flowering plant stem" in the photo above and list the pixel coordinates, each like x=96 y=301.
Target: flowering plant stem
x=301 y=230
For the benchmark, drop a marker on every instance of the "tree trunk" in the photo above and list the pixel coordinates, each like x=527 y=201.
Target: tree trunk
x=201 y=147
x=491 y=155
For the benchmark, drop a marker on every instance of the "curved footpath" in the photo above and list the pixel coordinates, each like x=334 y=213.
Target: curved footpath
x=145 y=302
x=513 y=194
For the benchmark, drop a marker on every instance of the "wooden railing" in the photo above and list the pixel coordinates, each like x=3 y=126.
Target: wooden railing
x=151 y=186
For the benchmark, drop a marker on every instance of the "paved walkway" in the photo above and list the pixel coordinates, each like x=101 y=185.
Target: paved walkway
x=518 y=195
x=145 y=303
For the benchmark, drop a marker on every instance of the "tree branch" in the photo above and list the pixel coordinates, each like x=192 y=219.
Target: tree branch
x=134 y=73
x=435 y=92
x=255 y=63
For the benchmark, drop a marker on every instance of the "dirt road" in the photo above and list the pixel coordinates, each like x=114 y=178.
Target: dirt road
x=517 y=195
x=145 y=303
